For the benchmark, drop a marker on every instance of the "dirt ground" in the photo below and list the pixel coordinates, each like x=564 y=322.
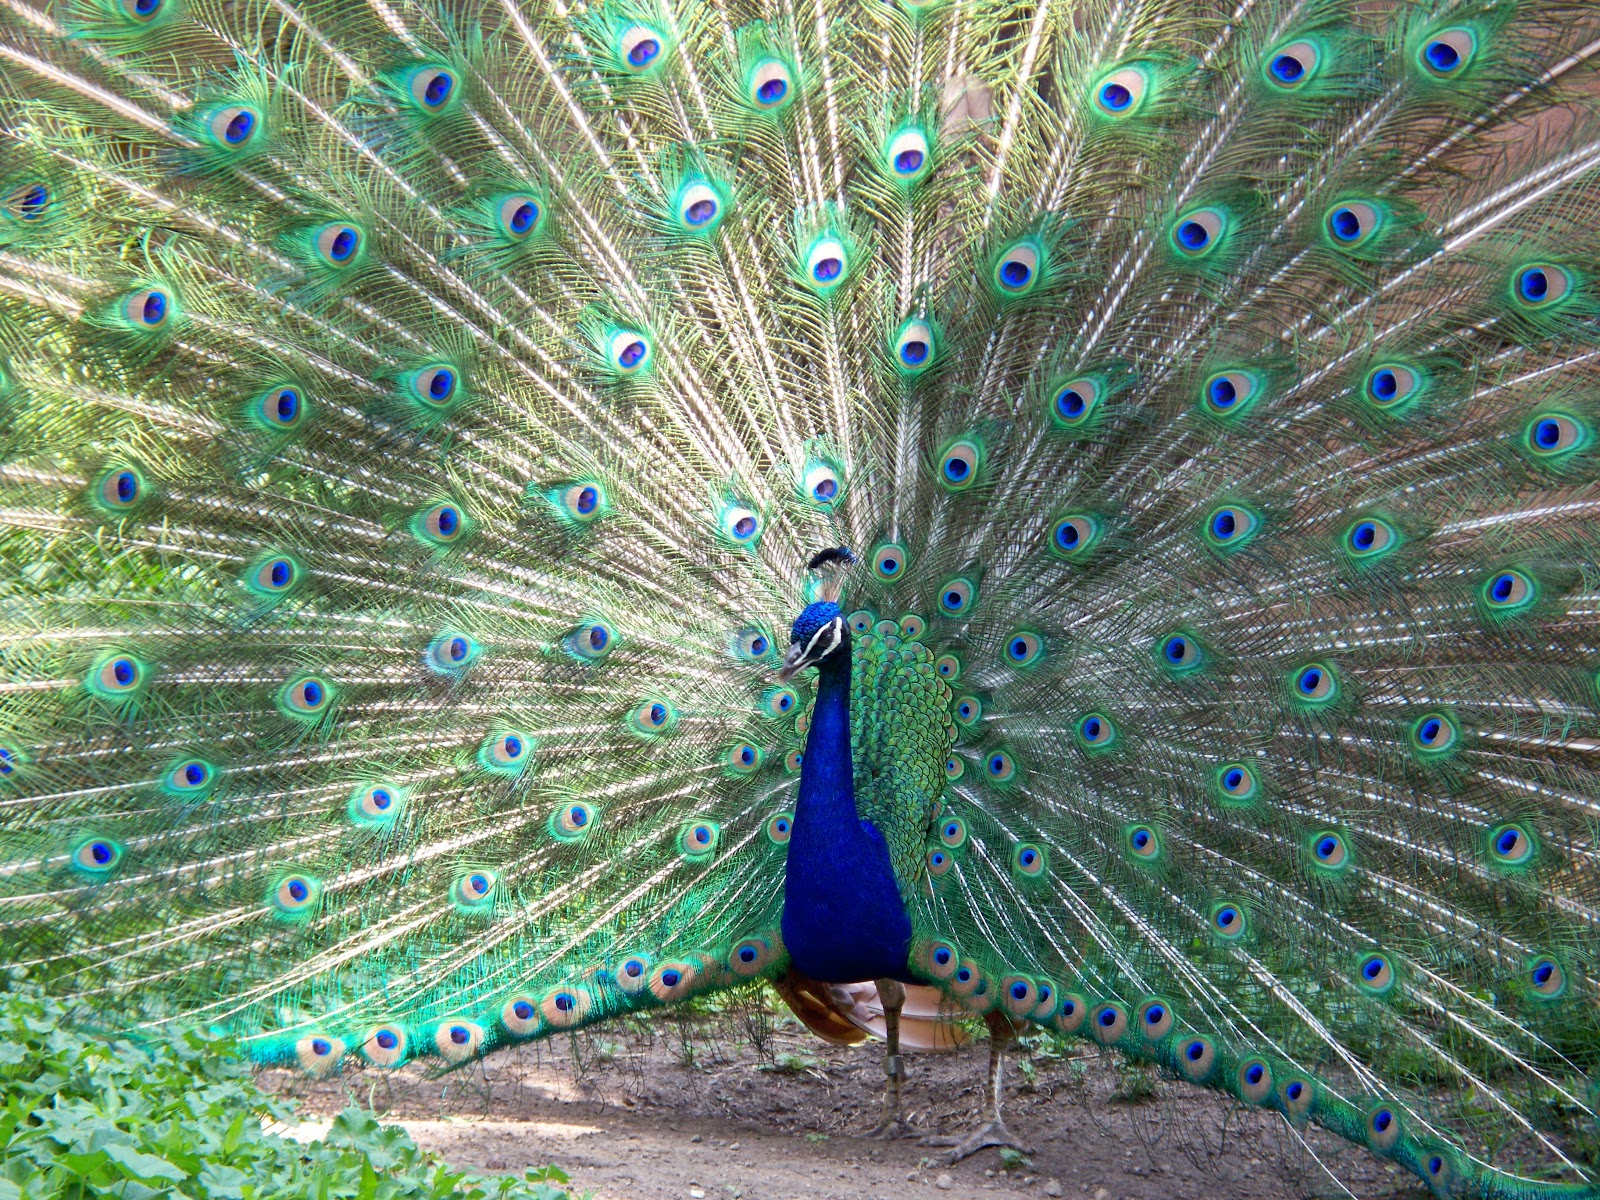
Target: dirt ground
x=749 y=1106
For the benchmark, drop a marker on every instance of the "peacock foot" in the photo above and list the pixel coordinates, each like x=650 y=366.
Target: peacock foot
x=994 y=1133
x=893 y=1128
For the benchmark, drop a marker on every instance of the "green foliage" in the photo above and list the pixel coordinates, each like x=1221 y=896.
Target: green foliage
x=178 y=1114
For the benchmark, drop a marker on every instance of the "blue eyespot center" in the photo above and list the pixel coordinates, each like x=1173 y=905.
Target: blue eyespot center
x=1431 y=729
x=671 y=978
x=448 y=521
x=1442 y=56
x=1195 y=1052
x=344 y=244
x=1364 y=535
x=194 y=774
x=1176 y=650
x=1534 y=284
x=1254 y=1074
x=827 y=489
x=1224 y=525
x=1435 y=1164
x=744 y=527
x=1154 y=1014
x=1019 y=991
x=633 y=969
x=479 y=883
x=658 y=714
x=1015 y=274
x=908 y=162
x=644 y=52
x=1372 y=968
x=1141 y=839
x=700 y=212
x=1115 y=97
x=914 y=352
x=1222 y=392
x=1382 y=1119
x=511 y=746
x=758 y=646
x=702 y=835
x=1547 y=434
x=1502 y=587
x=827 y=269
x=381 y=799
x=239 y=128
x=1227 y=917
x=1070 y=404
x=298 y=890
x=146 y=8
x=29 y=204
x=321 y=1047
x=523 y=217
x=588 y=500
x=311 y=693
x=1310 y=680
x=1507 y=842
x=1385 y=385
x=956 y=469
x=1108 y=1018
x=565 y=1002
x=1295 y=1090
x=1286 y=68
x=438 y=89
x=442 y=384
x=1344 y=224
x=155 y=309
x=772 y=91
x=1192 y=235
x=458 y=649
x=288 y=405
x=127 y=487
x=386 y=1040
x=1543 y=973
x=123 y=672
x=1233 y=779
x=459 y=1036
x=632 y=354
x=1327 y=847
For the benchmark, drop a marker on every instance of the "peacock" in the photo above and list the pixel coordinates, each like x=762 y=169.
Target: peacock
x=1056 y=516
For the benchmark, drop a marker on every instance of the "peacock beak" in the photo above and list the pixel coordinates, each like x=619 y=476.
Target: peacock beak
x=793 y=662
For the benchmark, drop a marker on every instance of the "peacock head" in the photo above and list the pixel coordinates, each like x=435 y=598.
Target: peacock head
x=820 y=632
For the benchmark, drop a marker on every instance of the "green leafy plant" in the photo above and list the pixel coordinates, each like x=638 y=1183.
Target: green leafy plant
x=178 y=1114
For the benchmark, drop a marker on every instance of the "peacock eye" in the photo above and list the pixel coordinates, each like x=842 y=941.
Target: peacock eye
x=1555 y=435
x=958 y=466
x=968 y=710
x=1230 y=526
x=751 y=643
x=770 y=86
x=1447 y=53
x=780 y=702
x=520 y=1015
x=234 y=127
x=953 y=832
x=474 y=889
x=915 y=346
x=385 y=1046
x=698 y=840
x=518 y=216
x=192 y=779
x=432 y=88
x=700 y=208
x=306 y=696
x=954 y=768
x=744 y=758
x=939 y=862
x=1375 y=973
x=572 y=821
x=1542 y=284
x=1000 y=766
x=507 y=752
x=912 y=626
x=1434 y=733
x=956 y=596
x=148 y=310
x=295 y=894
x=97 y=855
x=1237 y=781
x=1017 y=268
x=1155 y=1019
x=947 y=667
x=141 y=11
x=1096 y=730
x=1143 y=843
x=458 y=1041
x=1547 y=978
x=1195 y=234
x=1507 y=591
x=1073 y=402
x=1392 y=384
x=1228 y=393
x=1028 y=860
x=1121 y=93
x=1255 y=1080
x=1511 y=845
x=433 y=386
x=740 y=524
x=118 y=675
x=10 y=761
x=641 y=48
x=441 y=524
x=628 y=351
x=822 y=484
x=275 y=575
x=888 y=562
x=376 y=804
x=1289 y=68
x=1228 y=920
x=1181 y=654
x=1023 y=648
x=120 y=488
x=1352 y=223
x=652 y=716
x=583 y=501
x=451 y=653
x=1074 y=535
x=280 y=408
x=1370 y=537
x=827 y=264
x=1329 y=850
x=1315 y=683
x=907 y=157
x=26 y=202
x=339 y=244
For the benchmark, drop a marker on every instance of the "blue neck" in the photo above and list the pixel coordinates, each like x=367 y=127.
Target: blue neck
x=843 y=918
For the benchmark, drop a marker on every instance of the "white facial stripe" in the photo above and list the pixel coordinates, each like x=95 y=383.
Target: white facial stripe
x=836 y=628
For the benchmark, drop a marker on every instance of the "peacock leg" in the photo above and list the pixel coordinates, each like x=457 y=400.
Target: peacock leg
x=893 y=1124
x=992 y=1131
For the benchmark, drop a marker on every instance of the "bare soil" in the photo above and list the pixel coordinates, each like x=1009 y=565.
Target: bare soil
x=747 y=1105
